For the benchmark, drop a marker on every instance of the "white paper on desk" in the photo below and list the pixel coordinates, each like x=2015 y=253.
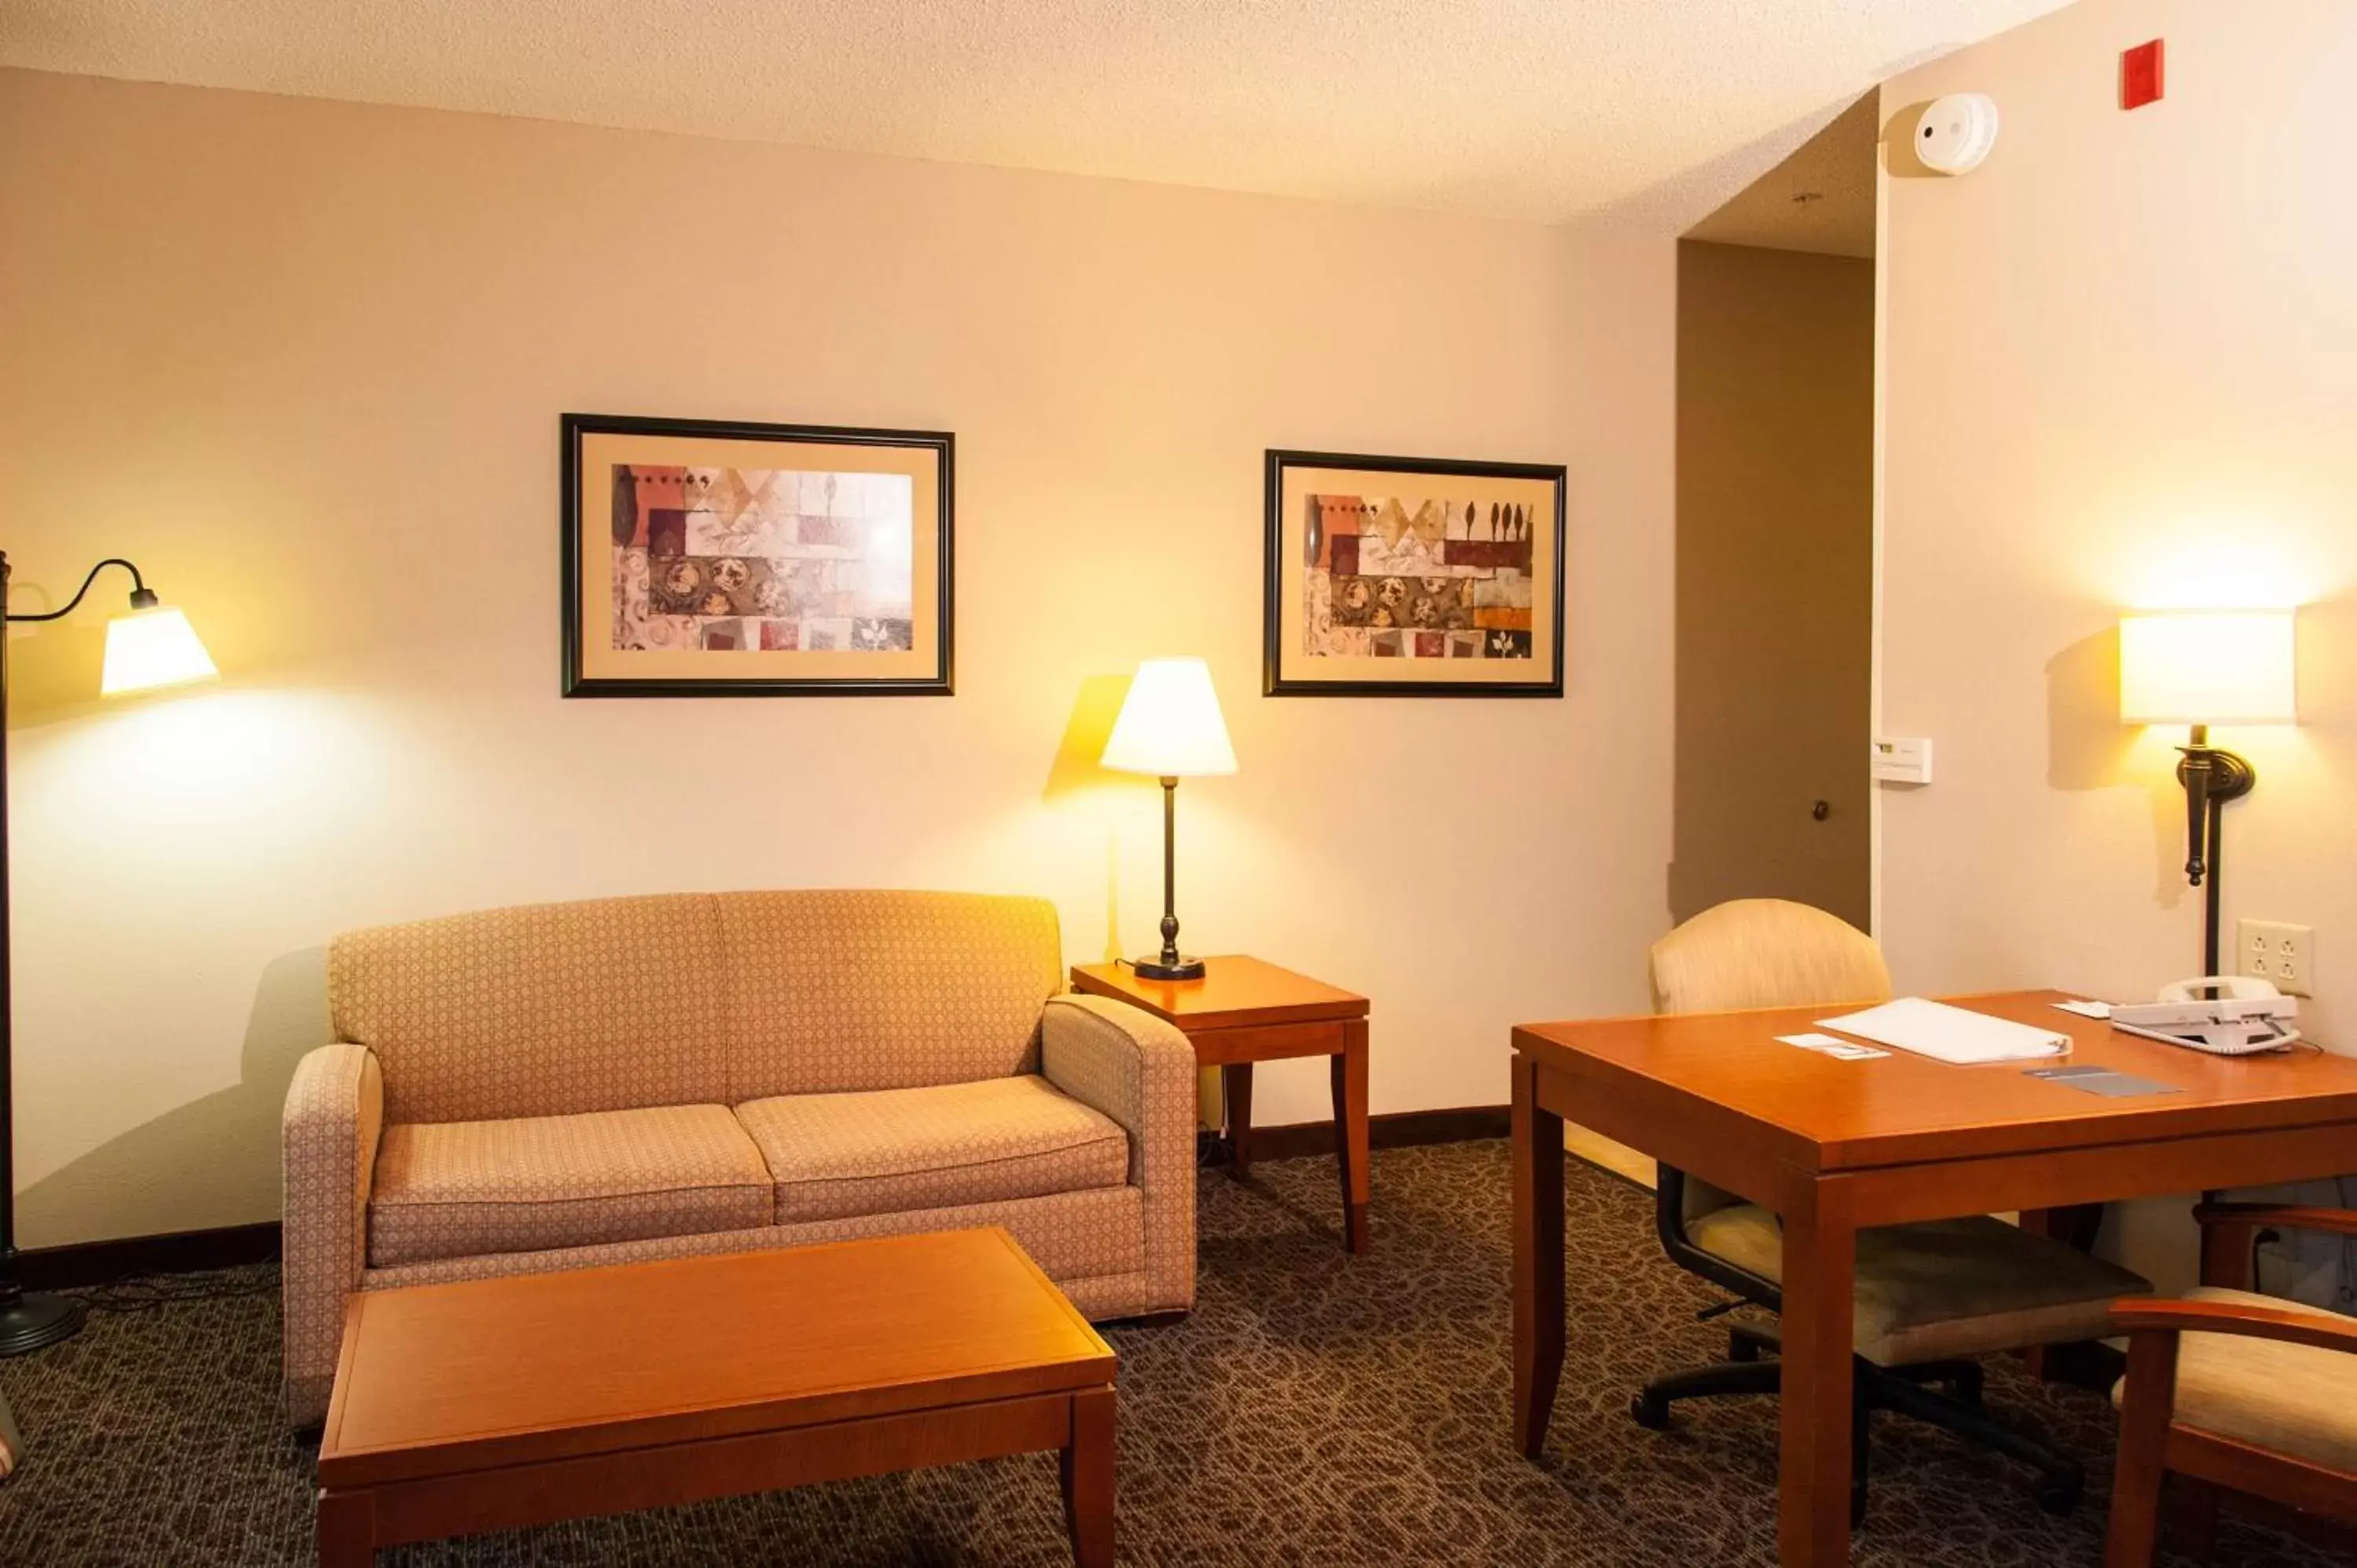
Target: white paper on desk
x=1954 y=1034
x=1828 y=1046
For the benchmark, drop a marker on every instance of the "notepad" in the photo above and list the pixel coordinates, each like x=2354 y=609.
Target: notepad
x=1948 y=1034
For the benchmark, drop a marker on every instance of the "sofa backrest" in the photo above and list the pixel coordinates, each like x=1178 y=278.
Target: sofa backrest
x=679 y=998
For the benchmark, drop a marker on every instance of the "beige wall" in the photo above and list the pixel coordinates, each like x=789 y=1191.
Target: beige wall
x=2121 y=371
x=1775 y=577
x=304 y=362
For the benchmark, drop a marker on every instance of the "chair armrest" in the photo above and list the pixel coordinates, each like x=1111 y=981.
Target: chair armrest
x=335 y=1114
x=2292 y=1325
x=2291 y=1217
x=1130 y=1065
x=2229 y=1230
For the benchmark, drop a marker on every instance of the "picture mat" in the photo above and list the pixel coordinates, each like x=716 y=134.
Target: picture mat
x=1299 y=483
x=600 y=661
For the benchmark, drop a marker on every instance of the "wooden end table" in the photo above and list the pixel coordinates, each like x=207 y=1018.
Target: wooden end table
x=1244 y=1011
x=494 y=1404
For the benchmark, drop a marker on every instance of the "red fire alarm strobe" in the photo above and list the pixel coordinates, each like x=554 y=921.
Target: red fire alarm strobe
x=2141 y=75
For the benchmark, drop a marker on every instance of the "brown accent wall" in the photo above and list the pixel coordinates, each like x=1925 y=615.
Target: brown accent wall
x=1775 y=577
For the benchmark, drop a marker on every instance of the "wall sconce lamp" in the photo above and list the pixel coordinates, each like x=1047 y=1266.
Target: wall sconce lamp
x=1170 y=726
x=2203 y=667
x=149 y=647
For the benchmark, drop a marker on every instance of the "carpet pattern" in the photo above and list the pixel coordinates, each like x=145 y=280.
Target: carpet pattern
x=1316 y=1408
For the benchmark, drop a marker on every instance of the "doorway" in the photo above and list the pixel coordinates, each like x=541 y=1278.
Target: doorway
x=1775 y=535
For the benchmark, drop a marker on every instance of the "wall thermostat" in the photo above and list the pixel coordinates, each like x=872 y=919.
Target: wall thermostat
x=1956 y=132
x=1902 y=760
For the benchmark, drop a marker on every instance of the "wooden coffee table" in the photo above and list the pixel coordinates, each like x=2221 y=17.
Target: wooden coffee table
x=495 y=1404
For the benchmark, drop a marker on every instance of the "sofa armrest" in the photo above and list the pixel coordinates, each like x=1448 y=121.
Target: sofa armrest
x=335 y=1111
x=1140 y=1071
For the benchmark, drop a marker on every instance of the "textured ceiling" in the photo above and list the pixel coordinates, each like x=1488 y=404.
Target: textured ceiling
x=1536 y=109
x=1821 y=198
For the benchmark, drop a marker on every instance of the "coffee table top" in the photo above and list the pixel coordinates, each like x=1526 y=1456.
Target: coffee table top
x=439 y=1380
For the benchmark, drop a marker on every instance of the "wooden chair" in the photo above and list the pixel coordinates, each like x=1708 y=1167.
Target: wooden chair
x=2229 y=1390
x=1931 y=1297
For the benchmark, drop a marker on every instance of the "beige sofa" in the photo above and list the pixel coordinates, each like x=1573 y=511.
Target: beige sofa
x=563 y=1085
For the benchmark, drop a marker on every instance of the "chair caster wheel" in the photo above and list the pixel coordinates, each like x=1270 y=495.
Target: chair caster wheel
x=2058 y=1496
x=1652 y=1414
x=1741 y=1346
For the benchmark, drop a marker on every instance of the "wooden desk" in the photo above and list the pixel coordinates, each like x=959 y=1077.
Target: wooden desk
x=497 y=1403
x=1834 y=1147
x=1244 y=1011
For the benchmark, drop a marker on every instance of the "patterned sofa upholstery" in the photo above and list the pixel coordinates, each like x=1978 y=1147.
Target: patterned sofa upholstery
x=562 y=1086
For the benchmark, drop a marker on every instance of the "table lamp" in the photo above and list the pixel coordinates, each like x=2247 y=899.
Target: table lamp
x=1170 y=726
x=151 y=646
x=2202 y=667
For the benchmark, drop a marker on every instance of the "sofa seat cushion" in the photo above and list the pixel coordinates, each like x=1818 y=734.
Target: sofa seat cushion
x=454 y=1189
x=837 y=1155
x=1945 y=1288
x=2286 y=1399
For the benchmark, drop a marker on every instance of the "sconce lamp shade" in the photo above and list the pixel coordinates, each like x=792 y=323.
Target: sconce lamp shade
x=153 y=647
x=1171 y=725
x=2195 y=667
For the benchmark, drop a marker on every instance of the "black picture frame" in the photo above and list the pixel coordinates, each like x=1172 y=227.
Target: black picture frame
x=1273 y=682
x=573 y=427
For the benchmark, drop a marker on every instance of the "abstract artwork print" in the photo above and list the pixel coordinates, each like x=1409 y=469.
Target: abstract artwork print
x=708 y=559
x=773 y=559
x=1413 y=576
x=1419 y=577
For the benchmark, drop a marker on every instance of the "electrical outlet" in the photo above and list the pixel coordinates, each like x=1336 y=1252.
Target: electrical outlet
x=2274 y=951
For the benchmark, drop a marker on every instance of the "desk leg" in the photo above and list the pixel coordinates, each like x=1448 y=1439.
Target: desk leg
x=1235 y=1094
x=1538 y=1260
x=1349 y=1071
x=346 y=1527
x=1820 y=1273
x=1088 y=1479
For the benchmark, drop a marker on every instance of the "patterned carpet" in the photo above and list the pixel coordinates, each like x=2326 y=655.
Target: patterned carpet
x=1314 y=1410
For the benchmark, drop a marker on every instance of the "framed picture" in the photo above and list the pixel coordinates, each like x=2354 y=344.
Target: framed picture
x=706 y=559
x=1413 y=578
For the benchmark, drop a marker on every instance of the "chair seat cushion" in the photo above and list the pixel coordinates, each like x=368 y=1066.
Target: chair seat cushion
x=1945 y=1288
x=456 y=1189
x=882 y=1151
x=2296 y=1400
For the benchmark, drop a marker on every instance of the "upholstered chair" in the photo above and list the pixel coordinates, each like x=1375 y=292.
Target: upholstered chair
x=2228 y=1390
x=1930 y=1297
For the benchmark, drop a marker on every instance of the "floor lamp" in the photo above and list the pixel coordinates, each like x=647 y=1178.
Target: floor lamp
x=149 y=647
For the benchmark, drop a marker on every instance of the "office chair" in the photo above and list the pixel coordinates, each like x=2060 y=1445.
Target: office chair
x=1930 y=1297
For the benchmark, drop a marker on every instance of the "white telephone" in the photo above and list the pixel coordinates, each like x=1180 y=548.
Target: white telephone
x=2224 y=1015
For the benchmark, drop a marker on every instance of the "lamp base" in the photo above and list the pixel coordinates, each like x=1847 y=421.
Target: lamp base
x=1157 y=967
x=34 y=1320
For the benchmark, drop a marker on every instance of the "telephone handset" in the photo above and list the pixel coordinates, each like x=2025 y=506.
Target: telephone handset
x=2224 y=1015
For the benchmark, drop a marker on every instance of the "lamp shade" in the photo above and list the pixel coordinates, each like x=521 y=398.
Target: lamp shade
x=1169 y=723
x=153 y=647
x=2204 y=667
